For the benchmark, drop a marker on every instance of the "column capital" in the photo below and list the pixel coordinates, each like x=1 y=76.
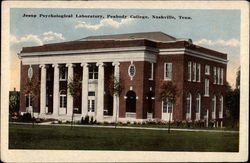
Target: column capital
x=100 y=64
x=69 y=65
x=84 y=64
x=42 y=66
x=56 y=65
x=116 y=63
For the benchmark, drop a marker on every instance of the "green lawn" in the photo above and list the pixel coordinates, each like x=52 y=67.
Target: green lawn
x=90 y=138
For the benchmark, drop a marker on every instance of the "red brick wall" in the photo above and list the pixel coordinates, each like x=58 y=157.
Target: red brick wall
x=23 y=80
x=196 y=87
x=177 y=79
x=138 y=87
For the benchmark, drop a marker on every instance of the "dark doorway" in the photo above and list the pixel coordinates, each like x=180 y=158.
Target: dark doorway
x=150 y=102
x=131 y=102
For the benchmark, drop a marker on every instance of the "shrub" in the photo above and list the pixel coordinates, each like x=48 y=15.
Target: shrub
x=86 y=119
x=82 y=121
x=26 y=117
x=91 y=120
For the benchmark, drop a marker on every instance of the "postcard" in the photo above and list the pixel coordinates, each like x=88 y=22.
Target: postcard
x=125 y=81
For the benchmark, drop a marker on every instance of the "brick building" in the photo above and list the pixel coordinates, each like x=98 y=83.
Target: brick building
x=142 y=62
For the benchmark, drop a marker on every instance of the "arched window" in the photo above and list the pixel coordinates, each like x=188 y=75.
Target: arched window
x=63 y=99
x=221 y=107
x=197 y=106
x=189 y=106
x=214 y=107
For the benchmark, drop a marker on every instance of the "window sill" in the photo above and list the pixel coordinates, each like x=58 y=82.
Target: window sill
x=151 y=79
x=167 y=79
x=206 y=95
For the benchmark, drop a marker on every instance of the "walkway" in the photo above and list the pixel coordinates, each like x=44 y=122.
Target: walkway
x=130 y=127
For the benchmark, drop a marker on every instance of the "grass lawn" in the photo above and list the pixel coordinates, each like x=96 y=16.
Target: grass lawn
x=88 y=138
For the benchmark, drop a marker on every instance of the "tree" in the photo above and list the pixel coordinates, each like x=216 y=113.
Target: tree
x=32 y=89
x=74 y=88
x=168 y=94
x=13 y=104
x=233 y=101
x=115 y=88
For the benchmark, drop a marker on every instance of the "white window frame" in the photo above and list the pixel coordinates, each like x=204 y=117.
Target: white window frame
x=222 y=75
x=214 y=107
x=61 y=76
x=64 y=98
x=221 y=107
x=171 y=72
x=152 y=72
x=189 y=71
x=218 y=75
x=93 y=72
x=215 y=75
x=168 y=106
x=197 y=114
x=199 y=72
x=189 y=98
x=194 y=70
x=167 y=114
x=206 y=88
x=207 y=69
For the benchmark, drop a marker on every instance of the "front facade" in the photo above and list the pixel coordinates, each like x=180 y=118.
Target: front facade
x=141 y=62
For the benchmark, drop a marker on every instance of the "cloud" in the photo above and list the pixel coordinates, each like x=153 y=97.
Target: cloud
x=104 y=23
x=26 y=39
x=49 y=36
x=232 y=42
x=33 y=40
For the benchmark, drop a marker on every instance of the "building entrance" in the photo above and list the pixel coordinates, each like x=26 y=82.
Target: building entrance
x=131 y=102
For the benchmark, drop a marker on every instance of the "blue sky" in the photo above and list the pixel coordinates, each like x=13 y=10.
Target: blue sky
x=215 y=29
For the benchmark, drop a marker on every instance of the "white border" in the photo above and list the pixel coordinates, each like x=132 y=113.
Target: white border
x=112 y=156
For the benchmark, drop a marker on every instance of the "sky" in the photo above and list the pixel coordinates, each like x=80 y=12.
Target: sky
x=214 y=29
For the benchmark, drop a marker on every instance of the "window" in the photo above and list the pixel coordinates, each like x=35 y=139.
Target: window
x=206 y=87
x=91 y=93
x=167 y=107
x=189 y=71
x=198 y=72
x=198 y=99
x=221 y=107
x=63 y=99
x=151 y=71
x=198 y=106
x=221 y=74
x=189 y=106
x=93 y=71
x=91 y=105
x=131 y=71
x=168 y=71
x=207 y=70
x=218 y=75
x=214 y=107
x=63 y=74
x=194 y=71
x=215 y=76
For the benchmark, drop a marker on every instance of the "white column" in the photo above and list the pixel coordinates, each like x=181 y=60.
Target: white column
x=69 y=97
x=116 y=97
x=100 y=92
x=56 y=90
x=85 y=79
x=43 y=89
